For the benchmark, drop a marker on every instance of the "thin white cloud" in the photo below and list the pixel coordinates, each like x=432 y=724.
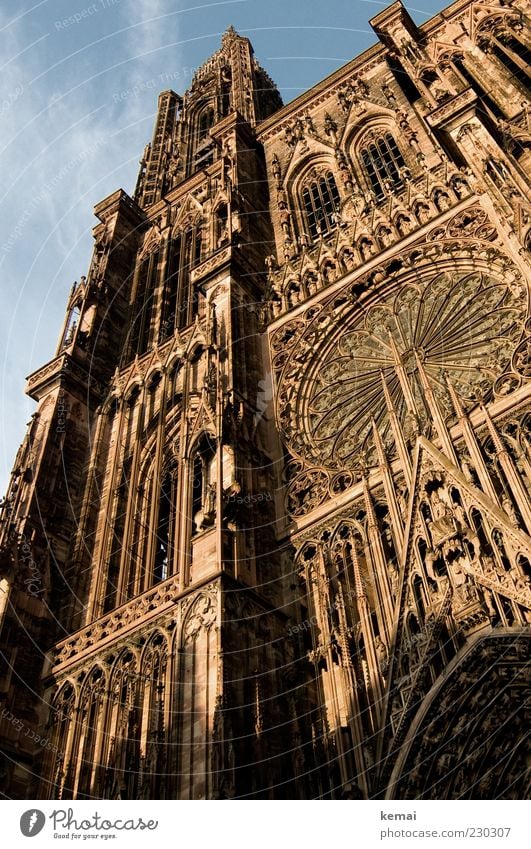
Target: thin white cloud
x=149 y=28
x=61 y=152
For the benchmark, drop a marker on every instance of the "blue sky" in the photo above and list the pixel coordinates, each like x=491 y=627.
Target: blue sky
x=78 y=93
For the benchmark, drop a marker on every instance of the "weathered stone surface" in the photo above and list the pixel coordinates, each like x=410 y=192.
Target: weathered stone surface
x=268 y=534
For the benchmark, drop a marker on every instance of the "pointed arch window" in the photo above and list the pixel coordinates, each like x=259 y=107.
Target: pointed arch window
x=142 y=314
x=111 y=597
x=221 y=225
x=383 y=163
x=72 y=324
x=180 y=301
x=513 y=54
x=175 y=387
x=138 y=558
x=61 y=718
x=205 y=121
x=226 y=82
x=320 y=199
x=204 y=148
x=165 y=529
x=91 y=708
x=420 y=597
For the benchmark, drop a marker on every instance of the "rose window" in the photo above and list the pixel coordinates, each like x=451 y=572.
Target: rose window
x=462 y=329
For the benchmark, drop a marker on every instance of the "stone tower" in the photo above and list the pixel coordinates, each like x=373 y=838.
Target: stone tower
x=268 y=535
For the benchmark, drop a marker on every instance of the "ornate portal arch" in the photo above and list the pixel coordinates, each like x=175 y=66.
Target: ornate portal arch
x=467 y=739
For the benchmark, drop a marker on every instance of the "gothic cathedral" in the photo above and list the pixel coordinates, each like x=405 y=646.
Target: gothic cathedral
x=268 y=535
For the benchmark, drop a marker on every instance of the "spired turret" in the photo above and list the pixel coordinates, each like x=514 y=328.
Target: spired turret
x=230 y=81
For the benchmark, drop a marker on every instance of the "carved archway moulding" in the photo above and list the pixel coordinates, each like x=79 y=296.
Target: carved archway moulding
x=458 y=308
x=462 y=738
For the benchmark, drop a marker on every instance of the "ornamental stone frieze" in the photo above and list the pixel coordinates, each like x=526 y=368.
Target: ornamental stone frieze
x=308 y=271
x=164 y=605
x=464 y=324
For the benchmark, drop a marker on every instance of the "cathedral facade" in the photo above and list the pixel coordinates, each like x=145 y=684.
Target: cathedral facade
x=268 y=534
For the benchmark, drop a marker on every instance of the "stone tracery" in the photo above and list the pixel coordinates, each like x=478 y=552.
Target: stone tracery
x=460 y=325
x=270 y=613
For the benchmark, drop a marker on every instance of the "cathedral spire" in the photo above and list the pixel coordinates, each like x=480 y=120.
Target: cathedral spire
x=229 y=35
x=231 y=81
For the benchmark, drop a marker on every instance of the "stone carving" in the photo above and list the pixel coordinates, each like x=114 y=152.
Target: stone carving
x=201 y=615
x=328 y=594
x=464 y=325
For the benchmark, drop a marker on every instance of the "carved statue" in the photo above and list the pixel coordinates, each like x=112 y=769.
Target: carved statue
x=275 y=163
x=382 y=655
x=330 y=128
x=345 y=174
x=285 y=219
x=442 y=525
x=508 y=506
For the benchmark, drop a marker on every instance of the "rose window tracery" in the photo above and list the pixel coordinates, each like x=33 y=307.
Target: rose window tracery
x=462 y=328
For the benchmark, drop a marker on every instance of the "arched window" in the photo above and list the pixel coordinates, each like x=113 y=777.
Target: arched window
x=163 y=547
x=499 y=549
x=71 y=326
x=123 y=754
x=175 y=387
x=512 y=54
x=145 y=290
x=479 y=527
x=383 y=162
x=111 y=597
x=130 y=420
x=180 y=302
x=509 y=41
x=226 y=82
x=197 y=369
x=205 y=121
x=61 y=717
x=413 y=624
x=168 y=317
x=321 y=203
x=91 y=705
x=221 y=236
x=420 y=597
x=140 y=536
x=204 y=149
x=153 y=401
